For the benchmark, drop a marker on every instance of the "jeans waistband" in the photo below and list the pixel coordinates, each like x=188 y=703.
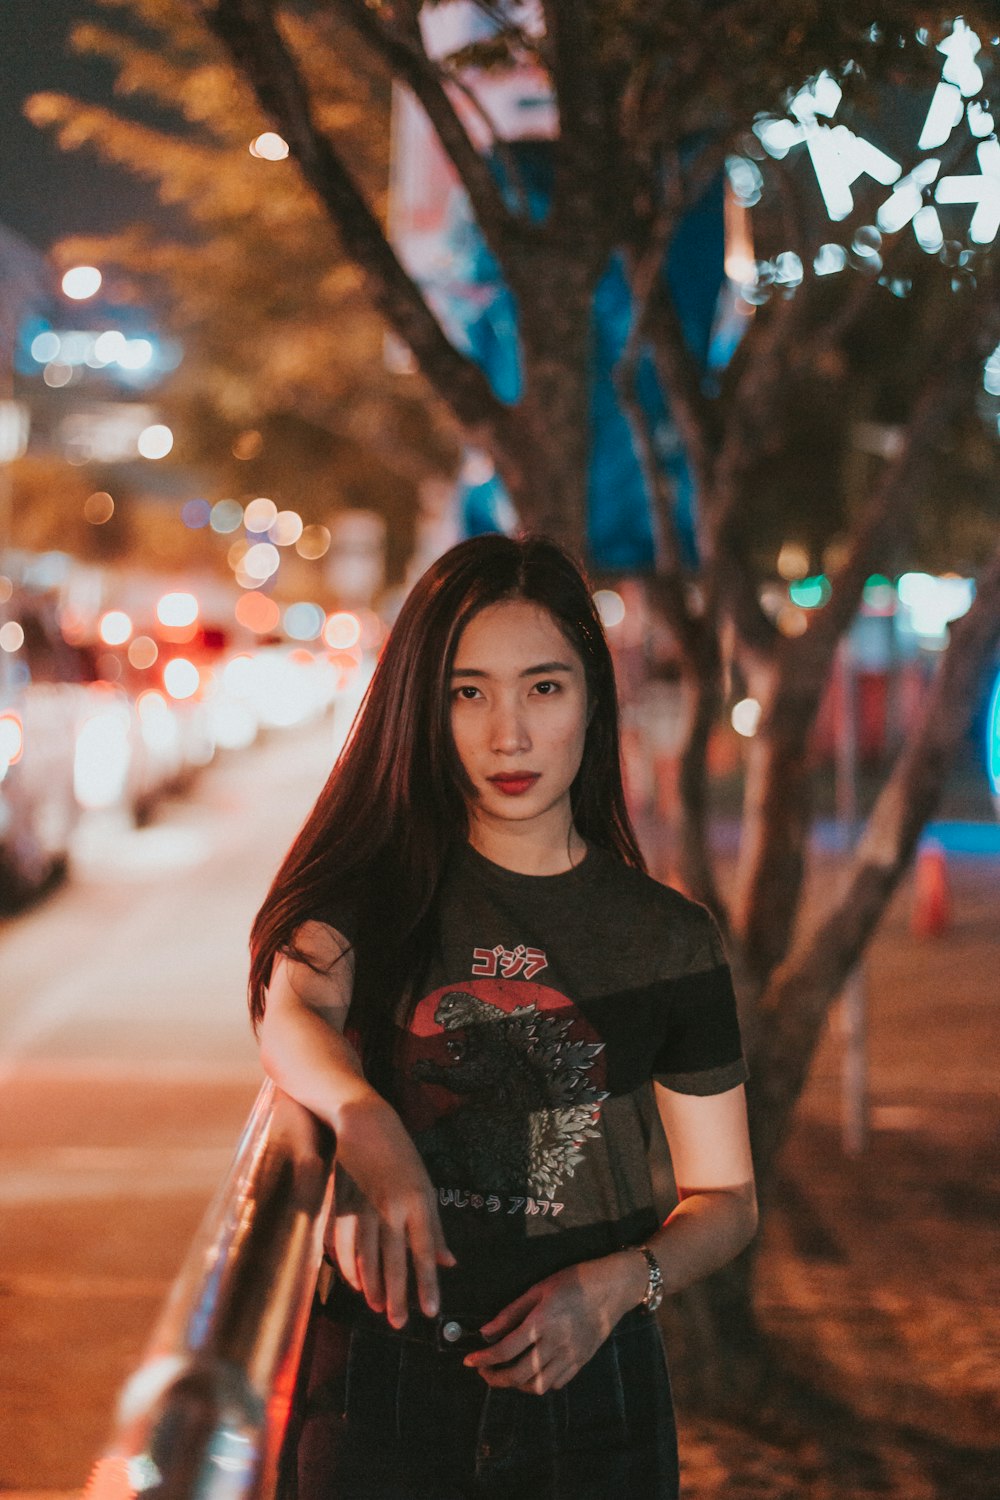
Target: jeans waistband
x=448 y=1333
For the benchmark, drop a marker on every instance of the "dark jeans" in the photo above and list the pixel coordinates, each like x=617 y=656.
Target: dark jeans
x=391 y=1417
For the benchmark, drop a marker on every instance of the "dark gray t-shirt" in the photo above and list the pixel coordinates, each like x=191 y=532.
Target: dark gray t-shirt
x=525 y=1074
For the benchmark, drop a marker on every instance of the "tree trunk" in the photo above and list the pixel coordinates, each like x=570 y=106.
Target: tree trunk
x=703 y=689
x=544 y=449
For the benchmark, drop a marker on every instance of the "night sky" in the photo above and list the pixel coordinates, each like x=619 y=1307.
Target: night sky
x=46 y=193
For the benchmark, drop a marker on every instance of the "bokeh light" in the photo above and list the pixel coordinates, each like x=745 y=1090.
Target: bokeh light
x=342 y=630
x=810 y=593
x=269 y=146
x=57 y=374
x=792 y=621
x=155 y=441
x=177 y=609
x=237 y=552
x=227 y=515
x=45 y=347
x=238 y=673
x=142 y=652
x=81 y=282
x=98 y=508
x=287 y=528
x=745 y=717
x=196 y=514
x=101 y=761
x=6 y=588
x=181 y=678
x=110 y=346
x=793 y=561
x=260 y=515
x=313 y=543
x=11 y=637
x=610 y=606
x=247 y=444
x=11 y=740
x=261 y=561
x=136 y=354
x=303 y=621
x=256 y=612
x=115 y=627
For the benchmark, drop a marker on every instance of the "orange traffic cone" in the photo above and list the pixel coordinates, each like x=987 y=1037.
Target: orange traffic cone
x=931 y=915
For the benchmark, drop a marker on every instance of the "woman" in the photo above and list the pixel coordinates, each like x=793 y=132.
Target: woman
x=463 y=967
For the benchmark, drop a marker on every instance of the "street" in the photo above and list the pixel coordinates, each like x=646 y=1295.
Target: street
x=127 y=1067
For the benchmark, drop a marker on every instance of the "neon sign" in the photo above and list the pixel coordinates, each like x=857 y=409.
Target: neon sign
x=993 y=740
x=839 y=156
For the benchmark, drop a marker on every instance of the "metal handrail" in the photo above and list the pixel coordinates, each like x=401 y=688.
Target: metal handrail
x=206 y=1412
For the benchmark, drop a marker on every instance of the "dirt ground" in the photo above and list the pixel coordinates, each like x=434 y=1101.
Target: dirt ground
x=879 y=1277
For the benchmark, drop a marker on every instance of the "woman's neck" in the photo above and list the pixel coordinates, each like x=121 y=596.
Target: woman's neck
x=525 y=849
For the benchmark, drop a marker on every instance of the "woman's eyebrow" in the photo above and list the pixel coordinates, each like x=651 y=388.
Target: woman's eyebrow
x=545 y=666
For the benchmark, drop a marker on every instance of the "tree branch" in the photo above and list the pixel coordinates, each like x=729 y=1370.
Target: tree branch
x=795 y=1005
x=248 y=31
x=407 y=58
x=584 y=196
x=945 y=390
x=697 y=640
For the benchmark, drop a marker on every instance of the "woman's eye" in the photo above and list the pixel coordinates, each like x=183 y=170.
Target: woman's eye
x=466 y=692
x=547 y=689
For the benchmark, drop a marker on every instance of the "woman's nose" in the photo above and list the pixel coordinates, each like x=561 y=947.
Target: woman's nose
x=509 y=731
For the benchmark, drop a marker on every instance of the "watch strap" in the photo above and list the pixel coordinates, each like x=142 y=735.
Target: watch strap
x=654 y=1286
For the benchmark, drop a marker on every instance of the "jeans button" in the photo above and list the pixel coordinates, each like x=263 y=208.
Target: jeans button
x=451 y=1332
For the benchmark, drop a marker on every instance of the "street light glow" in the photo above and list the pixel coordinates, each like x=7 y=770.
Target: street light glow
x=260 y=515
x=745 y=717
x=177 y=610
x=11 y=637
x=156 y=441
x=81 y=282
x=269 y=146
x=181 y=678
x=610 y=607
x=135 y=354
x=45 y=347
x=115 y=627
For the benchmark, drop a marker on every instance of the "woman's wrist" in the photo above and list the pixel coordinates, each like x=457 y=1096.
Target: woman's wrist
x=354 y=1106
x=628 y=1277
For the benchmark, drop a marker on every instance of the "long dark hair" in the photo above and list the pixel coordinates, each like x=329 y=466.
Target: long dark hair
x=379 y=836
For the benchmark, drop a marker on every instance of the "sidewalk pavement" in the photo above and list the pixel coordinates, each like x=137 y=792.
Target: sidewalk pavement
x=879 y=1275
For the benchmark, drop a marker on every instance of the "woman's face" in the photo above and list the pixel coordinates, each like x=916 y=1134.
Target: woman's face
x=518 y=717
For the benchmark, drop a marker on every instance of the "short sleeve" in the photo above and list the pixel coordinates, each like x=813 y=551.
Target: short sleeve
x=341 y=916
x=701 y=1051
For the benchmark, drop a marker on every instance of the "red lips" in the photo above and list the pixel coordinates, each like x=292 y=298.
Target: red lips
x=514 y=786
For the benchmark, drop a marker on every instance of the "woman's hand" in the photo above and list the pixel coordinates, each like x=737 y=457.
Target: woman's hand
x=385 y=1209
x=543 y=1338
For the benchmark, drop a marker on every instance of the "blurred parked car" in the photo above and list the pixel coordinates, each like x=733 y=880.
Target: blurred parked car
x=42 y=698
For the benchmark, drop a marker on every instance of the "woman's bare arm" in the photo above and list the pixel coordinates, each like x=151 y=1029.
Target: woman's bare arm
x=302 y=1045
x=394 y=1209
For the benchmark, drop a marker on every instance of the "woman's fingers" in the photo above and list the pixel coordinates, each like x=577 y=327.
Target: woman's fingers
x=394 y=1273
x=533 y=1373
x=428 y=1249
x=518 y=1345
x=442 y=1254
x=369 y=1261
x=341 y=1239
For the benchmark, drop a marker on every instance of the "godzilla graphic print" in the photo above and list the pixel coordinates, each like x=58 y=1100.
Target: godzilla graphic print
x=505 y=1084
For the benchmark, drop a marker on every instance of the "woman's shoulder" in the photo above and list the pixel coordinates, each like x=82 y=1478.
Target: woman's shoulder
x=640 y=900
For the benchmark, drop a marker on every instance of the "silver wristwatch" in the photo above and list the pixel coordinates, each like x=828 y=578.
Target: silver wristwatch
x=654 y=1286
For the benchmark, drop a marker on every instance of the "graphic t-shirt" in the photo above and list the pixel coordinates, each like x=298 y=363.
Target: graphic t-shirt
x=525 y=1074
